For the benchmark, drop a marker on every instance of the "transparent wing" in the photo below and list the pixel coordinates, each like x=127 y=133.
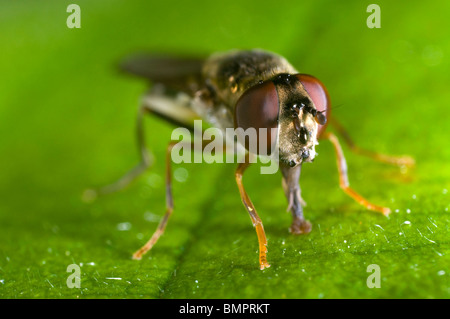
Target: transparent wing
x=178 y=73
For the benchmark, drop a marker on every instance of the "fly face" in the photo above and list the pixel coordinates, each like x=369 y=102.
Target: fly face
x=295 y=104
x=297 y=122
x=298 y=134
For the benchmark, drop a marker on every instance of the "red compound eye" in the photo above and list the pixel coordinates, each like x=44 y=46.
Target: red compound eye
x=319 y=95
x=258 y=108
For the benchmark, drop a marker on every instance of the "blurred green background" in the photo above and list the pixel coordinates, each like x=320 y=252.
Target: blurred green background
x=67 y=122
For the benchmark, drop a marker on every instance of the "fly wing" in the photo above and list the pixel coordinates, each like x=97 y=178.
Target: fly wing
x=178 y=73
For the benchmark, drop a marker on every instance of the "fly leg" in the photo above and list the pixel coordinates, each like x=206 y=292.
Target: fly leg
x=169 y=198
x=393 y=160
x=256 y=220
x=169 y=208
x=126 y=179
x=343 y=178
x=291 y=186
x=164 y=107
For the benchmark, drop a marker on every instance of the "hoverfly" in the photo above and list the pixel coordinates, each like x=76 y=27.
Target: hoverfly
x=242 y=89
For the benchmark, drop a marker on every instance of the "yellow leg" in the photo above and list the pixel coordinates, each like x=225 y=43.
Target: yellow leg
x=388 y=159
x=169 y=203
x=343 y=178
x=256 y=220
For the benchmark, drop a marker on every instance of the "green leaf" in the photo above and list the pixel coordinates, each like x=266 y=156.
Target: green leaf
x=68 y=122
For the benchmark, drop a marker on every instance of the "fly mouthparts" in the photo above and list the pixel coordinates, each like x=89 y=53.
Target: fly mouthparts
x=305 y=154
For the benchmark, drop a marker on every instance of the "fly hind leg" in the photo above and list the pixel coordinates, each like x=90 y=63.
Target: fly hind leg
x=168 y=108
x=388 y=159
x=169 y=209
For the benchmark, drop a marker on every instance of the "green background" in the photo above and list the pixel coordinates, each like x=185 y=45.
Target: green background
x=67 y=122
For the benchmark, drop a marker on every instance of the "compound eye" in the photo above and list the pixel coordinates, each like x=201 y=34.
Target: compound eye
x=318 y=94
x=258 y=108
